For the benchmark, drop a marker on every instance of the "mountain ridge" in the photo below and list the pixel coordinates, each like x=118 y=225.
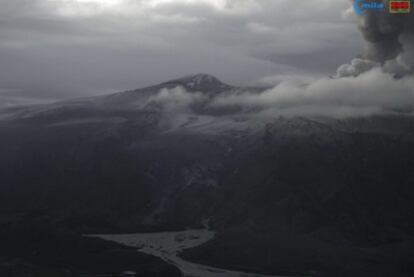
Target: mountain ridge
x=297 y=185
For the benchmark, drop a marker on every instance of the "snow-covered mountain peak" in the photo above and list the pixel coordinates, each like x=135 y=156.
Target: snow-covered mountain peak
x=200 y=82
x=200 y=79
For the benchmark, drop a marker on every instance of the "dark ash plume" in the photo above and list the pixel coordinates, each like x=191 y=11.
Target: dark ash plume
x=389 y=35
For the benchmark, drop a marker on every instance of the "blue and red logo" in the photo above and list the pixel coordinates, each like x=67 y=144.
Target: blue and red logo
x=394 y=6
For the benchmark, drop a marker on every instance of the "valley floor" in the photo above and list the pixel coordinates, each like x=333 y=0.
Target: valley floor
x=168 y=245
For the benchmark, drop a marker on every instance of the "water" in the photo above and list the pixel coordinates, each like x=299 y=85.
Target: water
x=167 y=246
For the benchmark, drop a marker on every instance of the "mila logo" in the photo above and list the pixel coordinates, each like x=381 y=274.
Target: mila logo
x=361 y=6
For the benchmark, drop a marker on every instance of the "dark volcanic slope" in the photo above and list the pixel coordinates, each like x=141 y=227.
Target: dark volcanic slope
x=314 y=198
x=328 y=197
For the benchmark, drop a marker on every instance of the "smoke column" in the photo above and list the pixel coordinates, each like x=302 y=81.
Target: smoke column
x=390 y=40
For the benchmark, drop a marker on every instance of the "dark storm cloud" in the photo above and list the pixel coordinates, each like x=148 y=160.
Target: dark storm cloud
x=69 y=48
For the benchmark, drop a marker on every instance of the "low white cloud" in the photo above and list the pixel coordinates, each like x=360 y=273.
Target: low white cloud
x=356 y=67
x=373 y=91
x=176 y=99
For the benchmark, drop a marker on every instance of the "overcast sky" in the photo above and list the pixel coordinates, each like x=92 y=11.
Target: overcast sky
x=54 y=49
